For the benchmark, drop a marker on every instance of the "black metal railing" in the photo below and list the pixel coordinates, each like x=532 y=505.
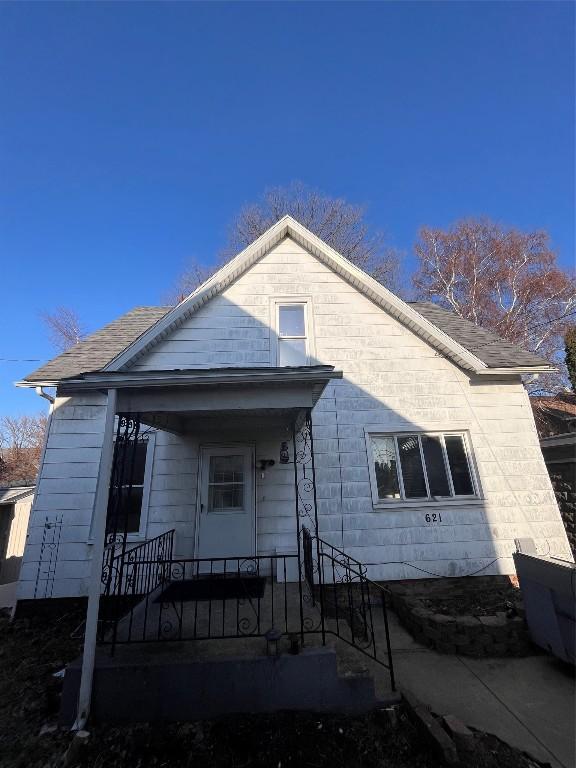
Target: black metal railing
x=131 y=575
x=283 y=598
x=353 y=606
x=211 y=598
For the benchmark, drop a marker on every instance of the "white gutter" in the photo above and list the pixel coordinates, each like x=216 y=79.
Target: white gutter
x=516 y=370
x=199 y=378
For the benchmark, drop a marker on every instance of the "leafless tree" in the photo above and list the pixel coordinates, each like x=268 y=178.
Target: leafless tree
x=193 y=276
x=340 y=224
x=64 y=328
x=502 y=279
x=21 y=440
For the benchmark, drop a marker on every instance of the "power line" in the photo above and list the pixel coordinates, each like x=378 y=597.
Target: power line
x=21 y=360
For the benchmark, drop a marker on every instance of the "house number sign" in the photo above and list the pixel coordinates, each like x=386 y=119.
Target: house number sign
x=433 y=517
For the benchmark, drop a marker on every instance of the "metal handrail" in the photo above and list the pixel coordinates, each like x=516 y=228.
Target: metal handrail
x=353 y=622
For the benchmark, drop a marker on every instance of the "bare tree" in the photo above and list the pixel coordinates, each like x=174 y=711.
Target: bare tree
x=502 y=279
x=340 y=224
x=64 y=328
x=193 y=276
x=21 y=440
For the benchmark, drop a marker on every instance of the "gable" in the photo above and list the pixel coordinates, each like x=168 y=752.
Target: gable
x=130 y=341
x=290 y=229
x=236 y=327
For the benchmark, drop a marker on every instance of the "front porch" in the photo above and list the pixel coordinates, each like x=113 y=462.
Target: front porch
x=246 y=575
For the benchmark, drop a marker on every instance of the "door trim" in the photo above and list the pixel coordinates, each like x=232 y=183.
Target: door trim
x=202 y=451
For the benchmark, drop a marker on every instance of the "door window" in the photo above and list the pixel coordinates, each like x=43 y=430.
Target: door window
x=226 y=483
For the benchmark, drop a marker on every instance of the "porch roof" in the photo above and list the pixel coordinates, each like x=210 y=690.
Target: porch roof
x=199 y=377
x=168 y=399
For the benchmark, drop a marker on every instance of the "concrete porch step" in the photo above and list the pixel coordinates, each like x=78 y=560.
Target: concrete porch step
x=182 y=683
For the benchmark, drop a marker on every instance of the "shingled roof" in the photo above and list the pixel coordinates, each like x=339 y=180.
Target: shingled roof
x=488 y=347
x=101 y=347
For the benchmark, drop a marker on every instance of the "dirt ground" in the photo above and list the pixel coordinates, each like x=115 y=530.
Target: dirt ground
x=478 y=602
x=32 y=650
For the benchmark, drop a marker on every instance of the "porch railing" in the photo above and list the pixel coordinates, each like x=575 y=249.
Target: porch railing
x=129 y=575
x=284 y=598
x=354 y=607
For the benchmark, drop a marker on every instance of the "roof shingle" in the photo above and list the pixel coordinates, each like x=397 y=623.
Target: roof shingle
x=101 y=347
x=488 y=347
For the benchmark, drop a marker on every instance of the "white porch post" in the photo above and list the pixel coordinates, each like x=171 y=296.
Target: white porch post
x=98 y=532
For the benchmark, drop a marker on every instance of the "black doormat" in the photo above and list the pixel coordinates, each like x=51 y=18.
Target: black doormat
x=214 y=588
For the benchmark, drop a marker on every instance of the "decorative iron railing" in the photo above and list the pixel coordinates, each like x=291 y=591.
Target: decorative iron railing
x=353 y=607
x=130 y=575
x=212 y=598
x=161 y=598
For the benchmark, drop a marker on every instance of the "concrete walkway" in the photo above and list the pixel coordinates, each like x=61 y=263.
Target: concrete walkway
x=527 y=702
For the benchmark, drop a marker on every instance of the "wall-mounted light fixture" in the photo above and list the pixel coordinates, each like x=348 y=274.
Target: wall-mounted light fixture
x=264 y=464
x=284 y=454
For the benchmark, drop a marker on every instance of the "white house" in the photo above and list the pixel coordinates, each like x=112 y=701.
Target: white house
x=426 y=457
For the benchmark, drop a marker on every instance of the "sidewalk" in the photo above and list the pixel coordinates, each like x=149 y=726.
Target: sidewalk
x=528 y=702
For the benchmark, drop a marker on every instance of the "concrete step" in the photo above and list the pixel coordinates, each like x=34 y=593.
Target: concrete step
x=145 y=686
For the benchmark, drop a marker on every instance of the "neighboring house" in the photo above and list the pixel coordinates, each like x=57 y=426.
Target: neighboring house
x=556 y=423
x=426 y=457
x=15 y=505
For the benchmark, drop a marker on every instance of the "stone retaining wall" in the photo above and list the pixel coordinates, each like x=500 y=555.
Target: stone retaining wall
x=499 y=634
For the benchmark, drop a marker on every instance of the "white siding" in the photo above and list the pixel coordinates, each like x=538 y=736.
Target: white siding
x=392 y=380
x=65 y=492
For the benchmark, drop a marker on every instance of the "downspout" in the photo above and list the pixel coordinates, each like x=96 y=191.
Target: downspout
x=40 y=392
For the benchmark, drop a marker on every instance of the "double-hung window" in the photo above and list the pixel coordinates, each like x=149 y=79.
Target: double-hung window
x=420 y=466
x=292 y=334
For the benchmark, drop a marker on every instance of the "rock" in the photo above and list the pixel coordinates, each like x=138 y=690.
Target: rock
x=46 y=729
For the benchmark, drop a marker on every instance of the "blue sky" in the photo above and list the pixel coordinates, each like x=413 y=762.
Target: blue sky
x=131 y=133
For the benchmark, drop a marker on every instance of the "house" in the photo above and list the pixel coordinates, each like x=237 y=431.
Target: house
x=427 y=460
x=555 y=418
x=15 y=505
x=294 y=421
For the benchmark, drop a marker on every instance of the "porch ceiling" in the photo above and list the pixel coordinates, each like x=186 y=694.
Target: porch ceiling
x=244 y=421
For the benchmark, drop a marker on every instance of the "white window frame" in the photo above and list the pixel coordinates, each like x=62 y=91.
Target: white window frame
x=282 y=301
x=141 y=534
x=428 y=499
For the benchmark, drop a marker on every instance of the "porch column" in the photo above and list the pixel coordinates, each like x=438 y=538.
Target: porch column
x=98 y=532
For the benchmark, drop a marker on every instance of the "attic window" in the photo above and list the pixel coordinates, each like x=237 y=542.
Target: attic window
x=292 y=336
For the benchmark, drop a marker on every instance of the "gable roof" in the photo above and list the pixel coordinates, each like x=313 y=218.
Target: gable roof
x=289 y=227
x=488 y=347
x=119 y=344
x=554 y=414
x=10 y=494
x=99 y=349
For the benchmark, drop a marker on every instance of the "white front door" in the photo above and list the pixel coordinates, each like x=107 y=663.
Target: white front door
x=226 y=517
